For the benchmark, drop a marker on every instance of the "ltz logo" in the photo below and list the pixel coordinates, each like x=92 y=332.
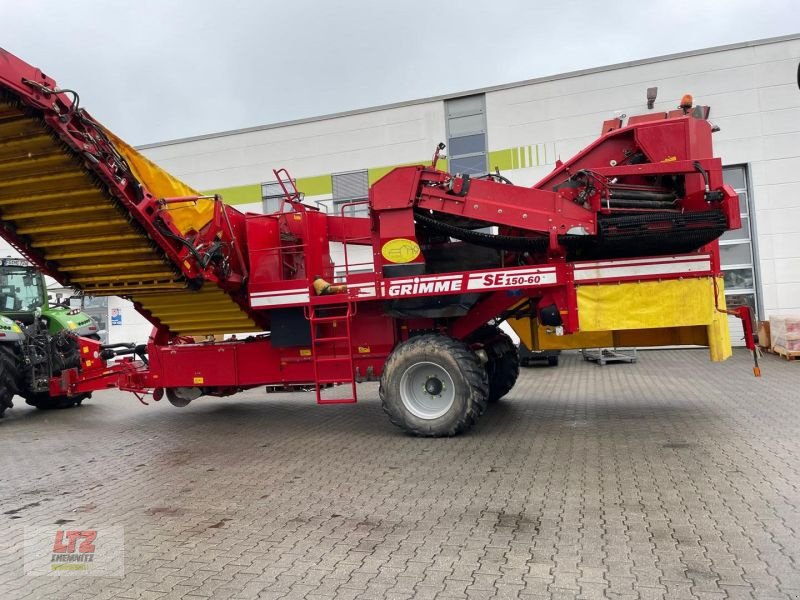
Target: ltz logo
x=72 y=549
x=78 y=551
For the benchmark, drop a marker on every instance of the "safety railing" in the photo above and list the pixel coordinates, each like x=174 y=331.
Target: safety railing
x=365 y=241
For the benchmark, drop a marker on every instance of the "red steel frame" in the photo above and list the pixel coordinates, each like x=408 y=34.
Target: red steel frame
x=233 y=365
x=277 y=257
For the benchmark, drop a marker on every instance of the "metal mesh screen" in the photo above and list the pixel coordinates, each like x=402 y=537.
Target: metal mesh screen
x=350 y=186
x=272 y=189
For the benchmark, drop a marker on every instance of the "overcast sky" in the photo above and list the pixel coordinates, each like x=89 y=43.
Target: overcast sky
x=153 y=70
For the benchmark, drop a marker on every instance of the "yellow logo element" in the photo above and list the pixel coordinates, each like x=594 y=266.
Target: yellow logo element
x=16 y=329
x=305 y=352
x=71 y=325
x=672 y=158
x=363 y=350
x=86 y=349
x=199 y=380
x=400 y=250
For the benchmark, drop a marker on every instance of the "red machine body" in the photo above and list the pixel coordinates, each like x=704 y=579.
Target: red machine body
x=450 y=253
x=348 y=335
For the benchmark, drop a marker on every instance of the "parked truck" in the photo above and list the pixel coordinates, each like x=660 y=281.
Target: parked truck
x=618 y=243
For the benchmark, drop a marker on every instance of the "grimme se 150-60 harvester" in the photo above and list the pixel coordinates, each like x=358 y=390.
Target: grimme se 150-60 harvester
x=616 y=247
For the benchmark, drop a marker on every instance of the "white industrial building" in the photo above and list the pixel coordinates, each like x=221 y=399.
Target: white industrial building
x=523 y=128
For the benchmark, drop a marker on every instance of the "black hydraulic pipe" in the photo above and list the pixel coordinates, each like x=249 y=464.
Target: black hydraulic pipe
x=119 y=345
x=625 y=203
x=643 y=195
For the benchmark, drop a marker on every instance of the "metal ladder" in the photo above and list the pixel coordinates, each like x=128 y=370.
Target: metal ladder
x=342 y=313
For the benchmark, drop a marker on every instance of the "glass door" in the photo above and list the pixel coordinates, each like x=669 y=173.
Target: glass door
x=737 y=256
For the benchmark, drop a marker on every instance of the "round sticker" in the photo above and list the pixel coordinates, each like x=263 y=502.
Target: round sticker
x=400 y=250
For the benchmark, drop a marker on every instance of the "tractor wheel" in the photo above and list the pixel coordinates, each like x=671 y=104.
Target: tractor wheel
x=433 y=386
x=503 y=365
x=9 y=374
x=44 y=401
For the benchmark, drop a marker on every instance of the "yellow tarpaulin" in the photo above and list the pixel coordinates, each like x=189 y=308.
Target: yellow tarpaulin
x=186 y=216
x=638 y=314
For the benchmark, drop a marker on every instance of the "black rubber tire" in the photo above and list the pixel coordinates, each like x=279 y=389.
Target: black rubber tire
x=44 y=401
x=471 y=385
x=503 y=366
x=9 y=376
x=552 y=361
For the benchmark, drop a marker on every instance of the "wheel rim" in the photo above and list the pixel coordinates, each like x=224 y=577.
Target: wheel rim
x=427 y=390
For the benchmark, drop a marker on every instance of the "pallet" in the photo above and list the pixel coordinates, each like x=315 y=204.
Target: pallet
x=789 y=355
x=602 y=356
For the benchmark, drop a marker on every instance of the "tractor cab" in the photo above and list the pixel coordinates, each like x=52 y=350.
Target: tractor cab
x=23 y=296
x=22 y=290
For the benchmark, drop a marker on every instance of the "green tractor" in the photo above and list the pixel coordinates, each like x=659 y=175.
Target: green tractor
x=37 y=339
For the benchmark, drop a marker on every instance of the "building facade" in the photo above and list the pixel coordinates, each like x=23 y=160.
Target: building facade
x=522 y=129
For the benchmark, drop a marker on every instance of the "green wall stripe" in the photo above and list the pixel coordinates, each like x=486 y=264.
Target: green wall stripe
x=500 y=159
x=241 y=194
x=506 y=159
x=315 y=186
x=375 y=173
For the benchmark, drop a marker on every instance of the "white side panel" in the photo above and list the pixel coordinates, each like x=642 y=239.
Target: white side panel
x=126 y=325
x=393 y=136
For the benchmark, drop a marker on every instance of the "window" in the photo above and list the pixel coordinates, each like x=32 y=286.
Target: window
x=272 y=196
x=20 y=289
x=352 y=186
x=466 y=135
x=97 y=308
x=736 y=253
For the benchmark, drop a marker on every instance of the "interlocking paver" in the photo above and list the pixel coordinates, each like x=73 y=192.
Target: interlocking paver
x=670 y=478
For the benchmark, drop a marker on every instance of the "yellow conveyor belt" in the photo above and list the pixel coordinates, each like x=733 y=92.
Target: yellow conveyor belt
x=64 y=212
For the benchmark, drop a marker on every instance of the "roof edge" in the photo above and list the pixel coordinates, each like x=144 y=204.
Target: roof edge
x=483 y=90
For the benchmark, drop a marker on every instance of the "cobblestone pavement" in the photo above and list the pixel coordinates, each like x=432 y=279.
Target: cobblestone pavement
x=670 y=478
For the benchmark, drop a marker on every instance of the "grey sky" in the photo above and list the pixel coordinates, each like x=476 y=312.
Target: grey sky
x=153 y=70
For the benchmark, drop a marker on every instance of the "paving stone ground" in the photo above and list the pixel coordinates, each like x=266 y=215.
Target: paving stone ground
x=670 y=478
